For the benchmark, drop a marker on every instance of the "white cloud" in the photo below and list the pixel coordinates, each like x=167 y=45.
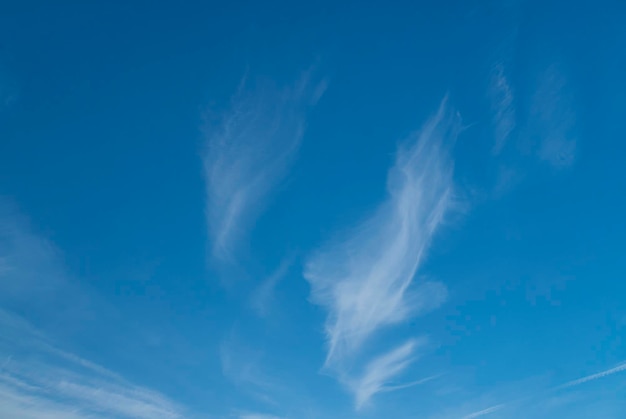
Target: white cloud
x=380 y=370
x=620 y=368
x=365 y=280
x=249 y=150
x=39 y=380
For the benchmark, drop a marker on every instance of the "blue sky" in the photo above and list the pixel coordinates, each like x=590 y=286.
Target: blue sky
x=283 y=210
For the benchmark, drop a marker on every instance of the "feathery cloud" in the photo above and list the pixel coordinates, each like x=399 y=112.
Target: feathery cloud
x=248 y=152
x=379 y=371
x=365 y=280
x=40 y=380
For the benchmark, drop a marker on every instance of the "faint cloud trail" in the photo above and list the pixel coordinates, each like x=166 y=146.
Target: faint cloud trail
x=249 y=149
x=620 y=368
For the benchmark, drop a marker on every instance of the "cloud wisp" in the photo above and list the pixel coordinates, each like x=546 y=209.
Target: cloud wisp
x=535 y=400
x=484 y=412
x=249 y=149
x=552 y=119
x=620 y=368
x=366 y=281
x=503 y=107
x=549 y=131
x=40 y=380
x=382 y=369
x=263 y=297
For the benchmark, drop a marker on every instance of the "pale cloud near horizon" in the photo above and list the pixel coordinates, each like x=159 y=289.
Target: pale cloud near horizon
x=538 y=400
x=249 y=149
x=366 y=281
x=40 y=380
x=484 y=412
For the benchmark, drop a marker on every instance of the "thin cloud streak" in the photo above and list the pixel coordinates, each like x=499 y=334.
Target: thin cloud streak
x=484 y=412
x=620 y=368
x=365 y=281
x=66 y=385
x=380 y=370
x=248 y=152
x=533 y=398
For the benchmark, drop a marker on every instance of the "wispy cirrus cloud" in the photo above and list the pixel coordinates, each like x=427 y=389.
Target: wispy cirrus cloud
x=484 y=412
x=365 y=281
x=249 y=149
x=243 y=366
x=602 y=374
x=544 y=401
x=549 y=131
x=263 y=297
x=382 y=369
x=40 y=380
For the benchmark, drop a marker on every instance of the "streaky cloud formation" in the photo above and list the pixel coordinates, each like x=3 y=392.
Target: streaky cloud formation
x=365 y=281
x=40 y=380
x=620 y=368
x=535 y=398
x=249 y=149
x=484 y=412
x=380 y=370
